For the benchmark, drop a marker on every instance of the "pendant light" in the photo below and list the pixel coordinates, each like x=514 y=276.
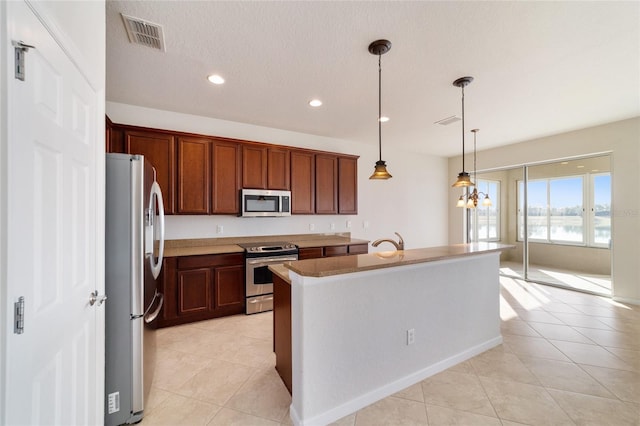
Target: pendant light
x=464 y=180
x=380 y=47
x=472 y=201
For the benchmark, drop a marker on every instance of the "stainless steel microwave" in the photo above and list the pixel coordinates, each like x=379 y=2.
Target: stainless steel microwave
x=265 y=203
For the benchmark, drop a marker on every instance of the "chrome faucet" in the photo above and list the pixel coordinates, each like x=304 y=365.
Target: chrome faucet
x=399 y=245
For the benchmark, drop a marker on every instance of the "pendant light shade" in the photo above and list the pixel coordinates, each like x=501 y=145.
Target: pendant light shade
x=380 y=172
x=380 y=47
x=464 y=180
x=474 y=196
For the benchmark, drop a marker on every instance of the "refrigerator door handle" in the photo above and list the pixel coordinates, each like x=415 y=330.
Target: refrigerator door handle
x=149 y=317
x=156 y=265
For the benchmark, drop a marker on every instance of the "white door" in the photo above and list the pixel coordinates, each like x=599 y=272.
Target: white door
x=53 y=369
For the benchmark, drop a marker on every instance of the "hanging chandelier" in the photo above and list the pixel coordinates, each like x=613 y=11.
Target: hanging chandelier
x=472 y=199
x=464 y=180
x=380 y=47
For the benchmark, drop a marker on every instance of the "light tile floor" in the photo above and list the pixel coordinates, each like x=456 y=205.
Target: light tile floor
x=592 y=283
x=567 y=358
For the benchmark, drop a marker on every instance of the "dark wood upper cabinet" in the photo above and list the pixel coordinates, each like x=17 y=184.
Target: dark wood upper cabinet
x=227 y=163
x=265 y=167
x=347 y=185
x=160 y=150
x=254 y=167
x=278 y=169
x=201 y=174
x=326 y=184
x=194 y=175
x=303 y=172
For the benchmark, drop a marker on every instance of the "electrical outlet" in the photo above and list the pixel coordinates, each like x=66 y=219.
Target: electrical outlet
x=219 y=229
x=332 y=226
x=365 y=224
x=312 y=227
x=348 y=224
x=411 y=336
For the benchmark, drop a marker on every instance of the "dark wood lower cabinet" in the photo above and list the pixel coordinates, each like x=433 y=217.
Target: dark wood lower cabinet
x=330 y=251
x=310 y=253
x=201 y=287
x=194 y=291
x=282 y=329
x=228 y=293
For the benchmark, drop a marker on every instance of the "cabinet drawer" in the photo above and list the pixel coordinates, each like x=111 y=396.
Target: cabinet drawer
x=335 y=251
x=310 y=253
x=210 y=260
x=358 y=249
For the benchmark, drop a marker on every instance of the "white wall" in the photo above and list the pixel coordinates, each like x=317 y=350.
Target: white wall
x=407 y=203
x=622 y=139
x=349 y=339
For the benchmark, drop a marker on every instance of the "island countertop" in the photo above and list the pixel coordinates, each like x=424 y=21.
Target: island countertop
x=329 y=266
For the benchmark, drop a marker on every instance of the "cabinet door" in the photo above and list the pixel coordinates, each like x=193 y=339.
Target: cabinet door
x=229 y=286
x=160 y=150
x=167 y=285
x=278 y=169
x=326 y=184
x=302 y=182
x=194 y=291
x=194 y=175
x=254 y=167
x=226 y=177
x=347 y=185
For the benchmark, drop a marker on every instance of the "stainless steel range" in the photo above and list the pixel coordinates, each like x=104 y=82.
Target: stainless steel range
x=259 y=279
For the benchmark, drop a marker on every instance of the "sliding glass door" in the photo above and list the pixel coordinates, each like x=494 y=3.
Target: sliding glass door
x=558 y=215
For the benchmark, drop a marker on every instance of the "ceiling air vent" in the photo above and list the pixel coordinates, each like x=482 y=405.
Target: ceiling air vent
x=448 y=120
x=144 y=32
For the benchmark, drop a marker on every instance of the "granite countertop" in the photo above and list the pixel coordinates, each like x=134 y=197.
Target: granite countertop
x=199 y=250
x=281 y=271
x=329 y=266
x=203 y=246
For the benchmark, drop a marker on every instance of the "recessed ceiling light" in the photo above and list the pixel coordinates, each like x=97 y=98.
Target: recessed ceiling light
x=215 y=79
x=565 y=163
x=595 y=170
x=315 y=102
x=580 y=167
x=384 y=119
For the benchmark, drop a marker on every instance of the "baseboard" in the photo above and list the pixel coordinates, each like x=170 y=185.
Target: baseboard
x=369 y=398
x=626 y=300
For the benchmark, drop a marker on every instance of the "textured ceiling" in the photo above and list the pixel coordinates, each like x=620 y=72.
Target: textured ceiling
x=540 y=68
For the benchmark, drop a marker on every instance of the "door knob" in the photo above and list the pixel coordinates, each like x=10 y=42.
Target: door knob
x=95 y=297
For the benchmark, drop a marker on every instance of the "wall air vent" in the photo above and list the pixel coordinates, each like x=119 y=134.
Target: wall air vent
x=448 y=120
x=144 y=32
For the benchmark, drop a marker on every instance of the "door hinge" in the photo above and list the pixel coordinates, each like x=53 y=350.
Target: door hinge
x=18 y=323
x=20 y=49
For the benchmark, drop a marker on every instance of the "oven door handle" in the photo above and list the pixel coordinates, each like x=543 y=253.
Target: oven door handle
x=259 y=261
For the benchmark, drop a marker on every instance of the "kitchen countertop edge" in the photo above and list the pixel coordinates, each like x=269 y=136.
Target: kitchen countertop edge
x=325 y=267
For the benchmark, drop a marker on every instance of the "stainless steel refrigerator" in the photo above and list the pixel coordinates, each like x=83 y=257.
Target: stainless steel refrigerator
x=134 y=245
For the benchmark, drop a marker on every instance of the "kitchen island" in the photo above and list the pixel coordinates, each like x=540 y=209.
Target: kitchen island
x=367 y=326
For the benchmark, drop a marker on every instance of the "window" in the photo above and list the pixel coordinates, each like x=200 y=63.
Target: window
x=566 y=210
x=557 y=208
x=485 y=220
